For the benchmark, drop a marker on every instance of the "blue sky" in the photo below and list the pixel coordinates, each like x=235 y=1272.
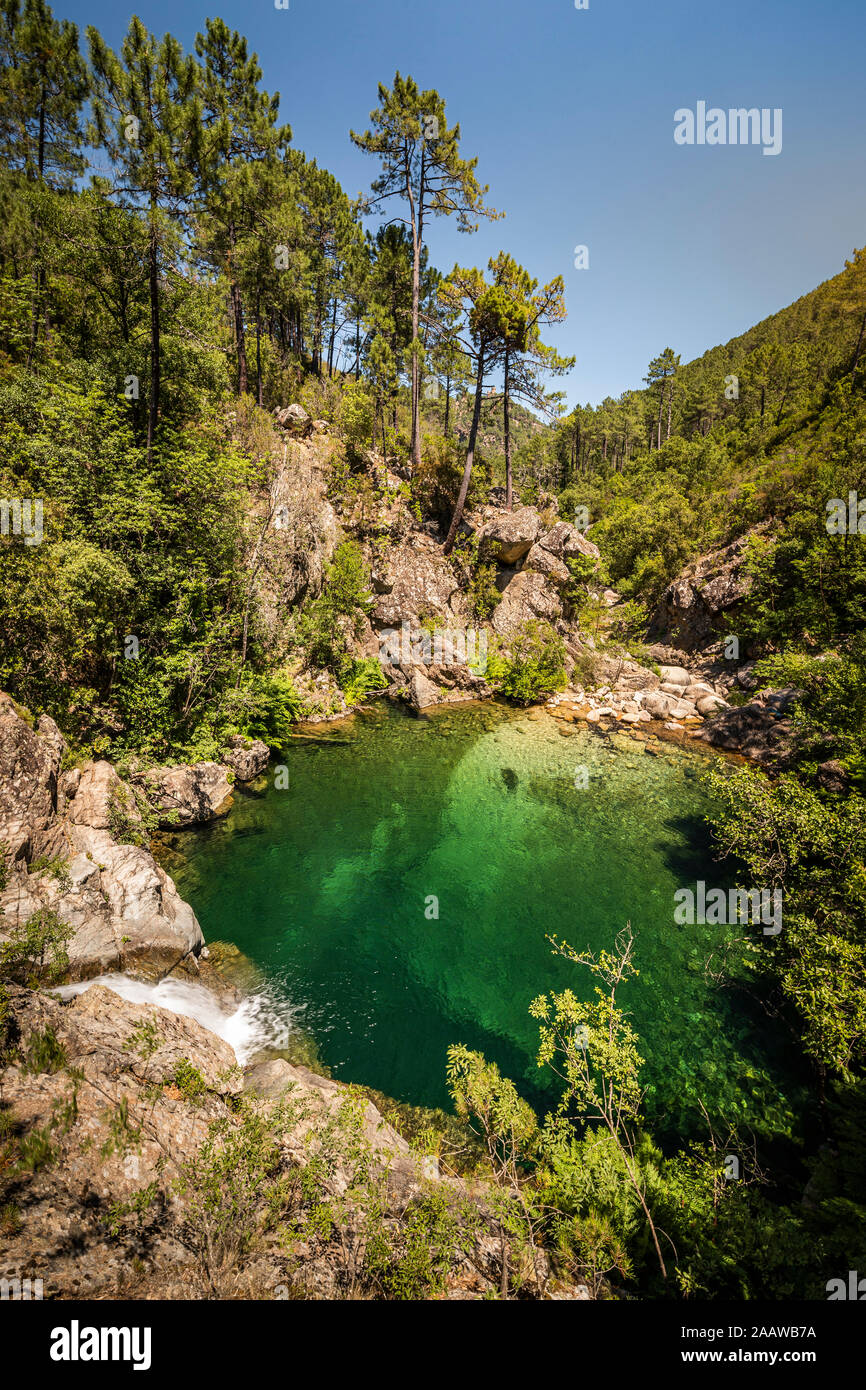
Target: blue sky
x=571 y=115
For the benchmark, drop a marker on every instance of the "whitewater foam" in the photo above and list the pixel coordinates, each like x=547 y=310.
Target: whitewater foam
x=262 y=1020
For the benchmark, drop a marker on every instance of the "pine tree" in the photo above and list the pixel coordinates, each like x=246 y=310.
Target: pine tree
x=421 y=164
x=147 y=116
x=240 y=132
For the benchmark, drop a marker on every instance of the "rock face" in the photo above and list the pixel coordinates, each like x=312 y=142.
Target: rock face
x=566 y=543
x=246 y=757
x=691 y=608
x=29 y=769
x=758 y=730
x=414 y=582
x=189 y=794
x=131 y=1096
x=125 y=909
x=525 y=595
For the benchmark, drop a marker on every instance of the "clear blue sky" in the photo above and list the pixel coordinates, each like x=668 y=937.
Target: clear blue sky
x=571 y=114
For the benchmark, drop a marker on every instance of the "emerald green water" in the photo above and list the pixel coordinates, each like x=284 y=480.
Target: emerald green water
x=326 y=886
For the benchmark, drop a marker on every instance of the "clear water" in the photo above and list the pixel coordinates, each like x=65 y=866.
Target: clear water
x=327 y=886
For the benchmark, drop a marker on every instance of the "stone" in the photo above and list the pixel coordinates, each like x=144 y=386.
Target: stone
x=247 y=757
x=509 y=536
x=566 y=542
x=544 y=562
x=690 y=610
x=188 y=794
x=422 y=693
x=415 y=581
x=525 y=596
x=295 y=419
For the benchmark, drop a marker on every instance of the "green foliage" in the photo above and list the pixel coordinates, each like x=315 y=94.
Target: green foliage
x=233 y=1193
x=356 y=418
x=123 y=1135
x=364 y=677
x=789 y=837
x=44 y=1052
x=34 y=952
x=484 y=595
x=346 y=597
x=145 y=1039
x=189 y=1080
x=535 y=664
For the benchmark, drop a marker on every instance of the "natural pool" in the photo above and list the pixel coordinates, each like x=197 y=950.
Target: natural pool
x=327 y=885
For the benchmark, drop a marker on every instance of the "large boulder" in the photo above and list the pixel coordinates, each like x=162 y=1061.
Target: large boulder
x=757 y=730
x=566 y=542
x=124 y=910
x=415 y=581
x=188 y=794
x=507 y=536
x=295 y=419
x=246 y=757
x=546 y=563
x=30 y=757
x=99 y=798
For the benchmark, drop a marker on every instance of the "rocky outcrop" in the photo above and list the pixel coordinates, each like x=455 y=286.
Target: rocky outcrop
x=124 y=909
x=525 y=595
x=189 y=794
x=246 y=757
x=692 y=608
x=125 y=1103
x=30 y=757
x=566 y=543
x=759 y=730
x=413 y=582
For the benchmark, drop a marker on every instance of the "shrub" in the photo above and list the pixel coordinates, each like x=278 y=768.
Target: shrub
x=536 y=664
x=35 y=953
x=483 y=592
x=364 y=677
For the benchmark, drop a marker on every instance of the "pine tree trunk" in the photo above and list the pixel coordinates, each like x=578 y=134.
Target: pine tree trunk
x=470 y=455
x=331 y=342
x=661 y=407
x=238 y=316
x=417 y=228
x=670 y=406
x=258 y=354
x=507 y=429
x=153 y=278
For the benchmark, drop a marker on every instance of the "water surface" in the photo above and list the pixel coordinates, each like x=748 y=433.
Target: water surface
x=332 y=886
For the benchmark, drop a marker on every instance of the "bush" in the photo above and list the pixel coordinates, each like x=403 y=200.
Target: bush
x=535 y=665
x=483 y=592
x=35 y=953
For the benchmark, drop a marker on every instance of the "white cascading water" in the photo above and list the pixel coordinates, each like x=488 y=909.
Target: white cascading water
x=260 y=1021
